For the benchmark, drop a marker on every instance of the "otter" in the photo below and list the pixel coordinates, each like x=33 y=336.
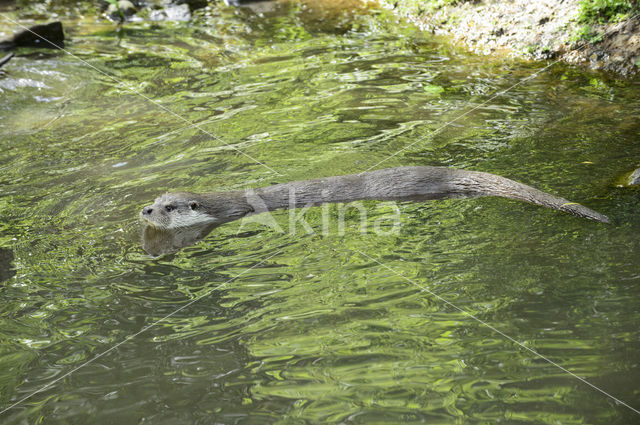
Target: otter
x=183 y=209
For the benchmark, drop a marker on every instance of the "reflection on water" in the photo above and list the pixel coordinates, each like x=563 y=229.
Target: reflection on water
x=157 y=241
x=318 y=333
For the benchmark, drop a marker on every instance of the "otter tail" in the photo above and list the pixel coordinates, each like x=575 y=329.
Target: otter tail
x=486 y=184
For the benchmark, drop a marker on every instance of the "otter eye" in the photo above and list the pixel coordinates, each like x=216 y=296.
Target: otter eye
x=169 y=208
x=193 y=205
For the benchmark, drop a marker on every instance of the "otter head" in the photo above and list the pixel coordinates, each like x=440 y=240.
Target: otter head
x=175 y=210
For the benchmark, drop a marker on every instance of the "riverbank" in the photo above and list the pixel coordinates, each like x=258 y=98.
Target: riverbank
x=545 y=29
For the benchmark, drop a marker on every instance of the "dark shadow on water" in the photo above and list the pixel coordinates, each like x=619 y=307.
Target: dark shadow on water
x=6 y=267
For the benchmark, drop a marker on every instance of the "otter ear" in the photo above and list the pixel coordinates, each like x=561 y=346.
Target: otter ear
x=194 y=205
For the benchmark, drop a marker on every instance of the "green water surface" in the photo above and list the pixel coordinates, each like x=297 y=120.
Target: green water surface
x=342 y=324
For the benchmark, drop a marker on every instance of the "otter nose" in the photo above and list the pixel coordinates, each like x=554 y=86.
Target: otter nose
x=147 y=210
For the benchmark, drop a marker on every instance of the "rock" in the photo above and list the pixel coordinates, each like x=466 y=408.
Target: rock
x=171 y=12
x=5 y=59
x=256 y=6
x=634 y=178
x=42 y=35
x=525 y=27
x=122 y=11
x=243 y=2
x=498 y=32
x=194 y=4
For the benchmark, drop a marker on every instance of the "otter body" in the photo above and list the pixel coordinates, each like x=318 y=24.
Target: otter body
x=182 y=209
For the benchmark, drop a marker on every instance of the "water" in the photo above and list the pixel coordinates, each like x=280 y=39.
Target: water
x=300 y=327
